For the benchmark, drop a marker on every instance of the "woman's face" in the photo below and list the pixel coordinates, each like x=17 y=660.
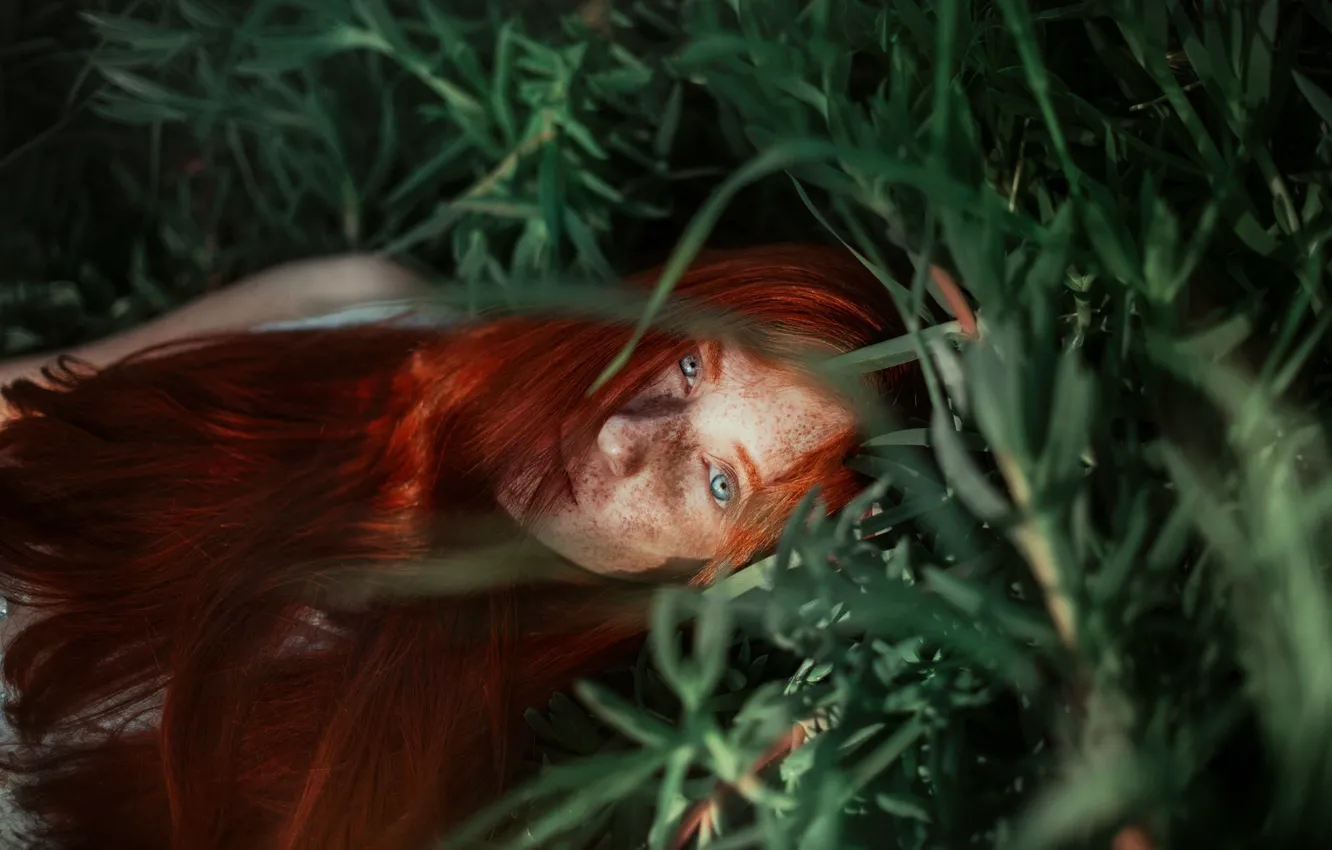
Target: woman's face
x=667 y=470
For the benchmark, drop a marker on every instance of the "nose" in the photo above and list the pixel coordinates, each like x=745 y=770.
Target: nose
x=623 y=442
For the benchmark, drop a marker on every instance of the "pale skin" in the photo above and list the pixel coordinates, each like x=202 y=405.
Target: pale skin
x=664 y=473
x=668 y=469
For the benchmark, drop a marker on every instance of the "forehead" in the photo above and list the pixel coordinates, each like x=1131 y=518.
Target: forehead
x=773 y=414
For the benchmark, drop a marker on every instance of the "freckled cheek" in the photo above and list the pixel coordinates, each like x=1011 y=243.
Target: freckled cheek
x=626 y=535
x=607 y=506
x=600 y=495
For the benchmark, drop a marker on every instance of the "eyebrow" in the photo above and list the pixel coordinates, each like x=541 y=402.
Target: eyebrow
x=716 y=356
x=747 y=465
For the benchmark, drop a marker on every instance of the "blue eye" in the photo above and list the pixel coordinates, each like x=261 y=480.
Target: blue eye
x=691 y=366
x=720 y=485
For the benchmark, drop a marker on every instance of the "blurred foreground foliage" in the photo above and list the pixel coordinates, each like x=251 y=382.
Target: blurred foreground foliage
x=1096 y=595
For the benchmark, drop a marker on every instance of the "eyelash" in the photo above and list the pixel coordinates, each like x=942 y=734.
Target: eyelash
x=690 y=381
x=712 y=471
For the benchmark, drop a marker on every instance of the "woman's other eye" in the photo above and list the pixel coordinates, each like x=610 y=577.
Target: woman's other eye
x=721 y=484
x=721 y=481
x=691 y=366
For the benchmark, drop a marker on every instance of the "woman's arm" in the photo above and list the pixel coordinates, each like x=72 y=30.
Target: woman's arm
x=291 y=291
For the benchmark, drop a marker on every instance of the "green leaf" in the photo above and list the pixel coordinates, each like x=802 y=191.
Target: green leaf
x=550 y=190
x=670 y=122
x=1317 y=98
x=629 y=721
x=1219 y=341
x=918 y=437
x=962 y=474
x=903 y=806
x=295 y=50
x=142 y=88
x=712 y=637
x=1161 y=239
x=583 y=138
x=664 y=640
x=1262 y=45
x=500 y=103
x=893 y=352
x=203 y=15
x=146 y=41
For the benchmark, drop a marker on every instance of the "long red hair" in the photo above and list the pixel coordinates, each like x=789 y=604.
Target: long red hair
x=182 y=522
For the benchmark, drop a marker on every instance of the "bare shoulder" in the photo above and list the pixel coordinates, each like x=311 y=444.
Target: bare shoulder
x=284 y=293
x=323 y=283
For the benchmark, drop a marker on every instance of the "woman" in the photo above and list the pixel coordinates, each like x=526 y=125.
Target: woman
x=212 y=536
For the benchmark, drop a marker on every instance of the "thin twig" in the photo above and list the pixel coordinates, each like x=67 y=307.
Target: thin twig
x=703 y=815
x=1138 y=107
x=510 y=161
x=1036 y=548
x=952 y=293
x=1017 y=170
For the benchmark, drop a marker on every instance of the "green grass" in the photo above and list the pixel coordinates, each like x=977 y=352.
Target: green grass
x=1133 y=193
